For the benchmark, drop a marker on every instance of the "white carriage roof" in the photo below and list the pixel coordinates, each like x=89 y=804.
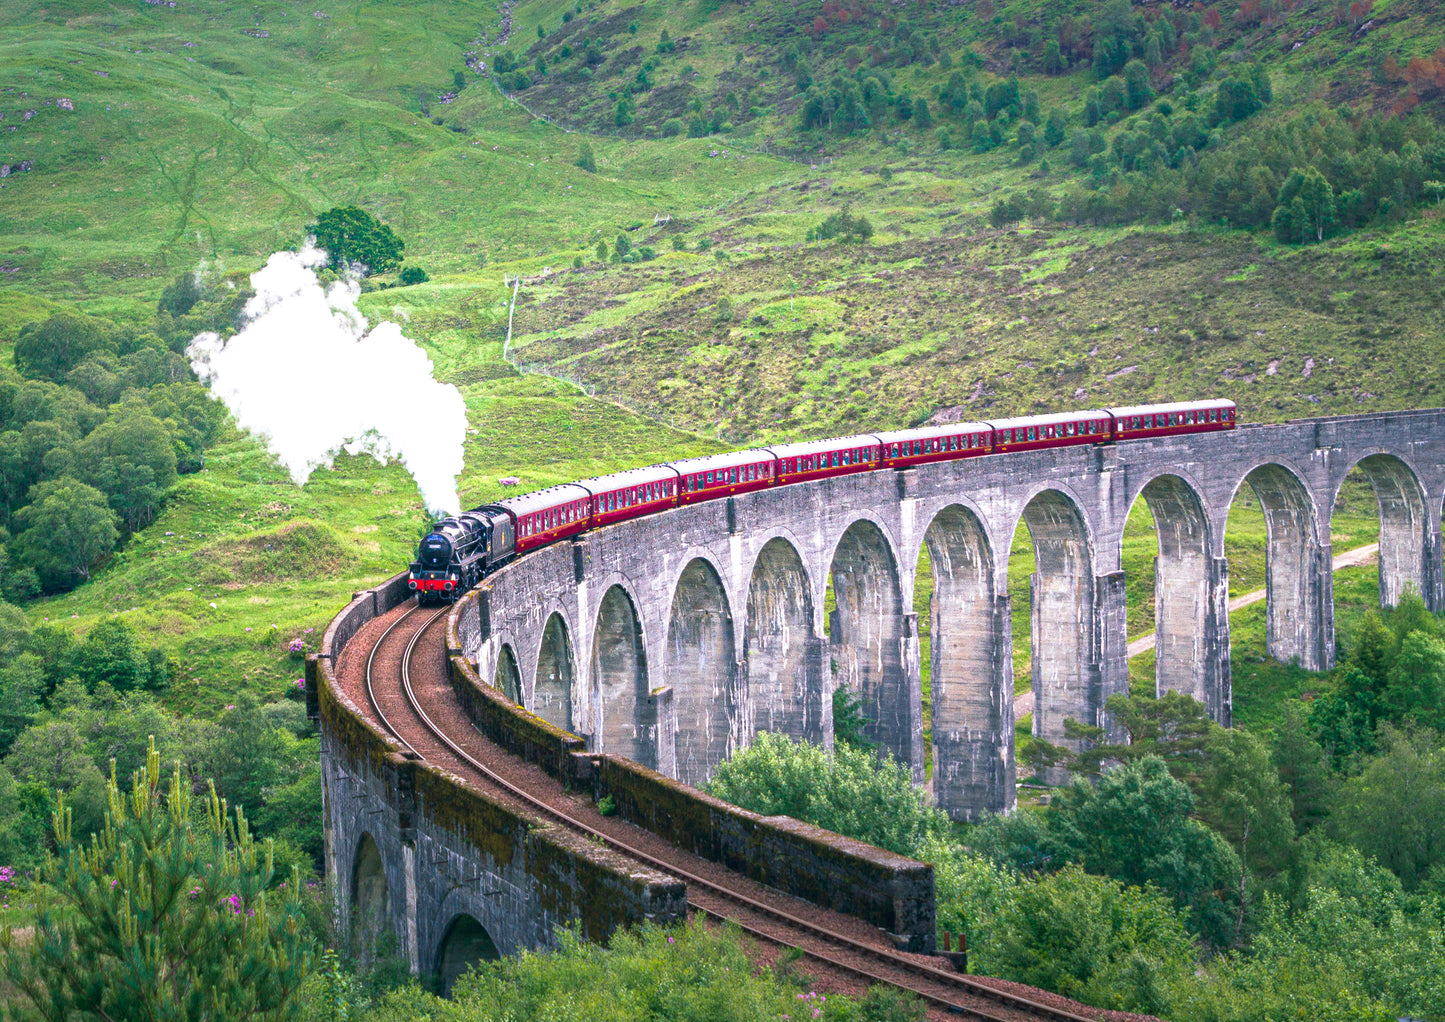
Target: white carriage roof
x=929 y=432
x=713 y=461
x=541 y=500
x=1044 y=420
x=837 y=443
x=631 y=477
x=1182 y=406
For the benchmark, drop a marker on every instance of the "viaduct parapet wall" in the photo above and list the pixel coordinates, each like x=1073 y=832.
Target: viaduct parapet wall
x=451 y=874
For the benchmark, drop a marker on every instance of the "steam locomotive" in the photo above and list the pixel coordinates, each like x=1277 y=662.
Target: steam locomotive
x=461 y=549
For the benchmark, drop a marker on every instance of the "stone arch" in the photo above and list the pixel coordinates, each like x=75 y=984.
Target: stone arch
x=508 y=680
x=1297 y=568
x=781 y=649
x=370 y=899
x=971 y=670
x=701 y=670
x=465 y=943
x=1183 y=593
x=1062 y=626
x=869 y=635
x=1404 y=525
x=619 y=678
x=556 y=675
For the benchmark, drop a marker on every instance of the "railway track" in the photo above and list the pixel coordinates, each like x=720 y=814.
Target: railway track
x=956 y=993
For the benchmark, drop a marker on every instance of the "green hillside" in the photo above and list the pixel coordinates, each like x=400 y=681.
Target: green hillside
x=732 y=223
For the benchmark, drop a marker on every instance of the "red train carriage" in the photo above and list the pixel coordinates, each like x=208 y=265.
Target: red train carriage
x=721 y=475
x=905 y=447
x=1091 y=426
x=1140 y=421
x=819 y=459
x=631 y=494
x=549 y=515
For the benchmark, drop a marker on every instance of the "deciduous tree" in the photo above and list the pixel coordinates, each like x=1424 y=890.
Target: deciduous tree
x=350 y=236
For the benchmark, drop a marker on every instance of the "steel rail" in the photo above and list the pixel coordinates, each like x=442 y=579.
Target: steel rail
x=960 y=982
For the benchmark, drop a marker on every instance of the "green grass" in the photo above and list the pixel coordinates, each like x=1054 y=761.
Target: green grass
x=212 y=155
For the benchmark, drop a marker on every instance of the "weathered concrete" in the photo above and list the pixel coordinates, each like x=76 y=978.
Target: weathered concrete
x=723 y=603
x=452 y=875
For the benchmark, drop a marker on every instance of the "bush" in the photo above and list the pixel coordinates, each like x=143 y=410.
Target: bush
x=413 y=275
x=1092 y=938
x=848 y=791
x=844 y=226
x=672 y=127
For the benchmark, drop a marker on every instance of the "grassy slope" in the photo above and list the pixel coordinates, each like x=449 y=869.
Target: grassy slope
x=216 y=153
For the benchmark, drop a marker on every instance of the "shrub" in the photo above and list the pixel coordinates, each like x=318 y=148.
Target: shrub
x=413 y=275
x=849 y=791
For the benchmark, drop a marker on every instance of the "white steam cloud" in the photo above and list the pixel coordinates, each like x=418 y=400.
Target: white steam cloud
x=305 y=373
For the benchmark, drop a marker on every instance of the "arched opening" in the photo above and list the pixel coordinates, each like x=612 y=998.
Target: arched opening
x=1275 y=556
x=866 y=632
x=370 y=902
x=701 y=670
x=1382 y=503
x=619 y=673
x=1166 y=558
x=968 y=669
x=466 y=943
x=509 y=679
x=782 y=652
x=1061 y=621
x=552 y=691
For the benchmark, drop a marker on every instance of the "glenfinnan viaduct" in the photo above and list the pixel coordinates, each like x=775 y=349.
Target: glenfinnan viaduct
x=671 y=641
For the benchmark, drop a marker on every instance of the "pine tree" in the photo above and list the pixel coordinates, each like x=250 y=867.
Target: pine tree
x=162 y=915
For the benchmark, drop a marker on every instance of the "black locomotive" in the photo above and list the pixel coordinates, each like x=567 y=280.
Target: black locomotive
x=459 y=550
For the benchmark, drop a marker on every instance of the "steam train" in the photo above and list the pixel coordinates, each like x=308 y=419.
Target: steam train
x=461 y=549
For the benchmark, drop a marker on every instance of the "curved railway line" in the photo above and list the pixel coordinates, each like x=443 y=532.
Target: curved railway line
x=952 y=992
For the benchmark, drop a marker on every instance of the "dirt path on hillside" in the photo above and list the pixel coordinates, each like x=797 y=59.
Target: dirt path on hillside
x=1024 y=701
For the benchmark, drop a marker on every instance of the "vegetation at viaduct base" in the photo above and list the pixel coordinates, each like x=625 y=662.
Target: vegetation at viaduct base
x=832 y=216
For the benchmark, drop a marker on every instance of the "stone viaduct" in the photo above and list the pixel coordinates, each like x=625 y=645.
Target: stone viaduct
x=672 y=640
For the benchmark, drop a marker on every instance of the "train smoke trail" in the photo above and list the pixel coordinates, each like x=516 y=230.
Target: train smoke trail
x=305 y=373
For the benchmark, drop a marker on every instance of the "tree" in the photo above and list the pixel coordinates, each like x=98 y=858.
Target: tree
x=181 y=294
x=1237 y=98
x=412 y=275
x=165 y=916
x=1137 y=90
x=1395 y=810
x=67 y=531
x=22 y=676
x=131 y=457
x=601 y=250
x=1089 y=937
x=1137 y=826
x=350 y=235
x=1303 y=769
x=51 y=348
x=1416 y=687
x=922 y=118
x=1314 y=212
x=848 y=791
x=1055 y=127
x=111 y=655
x=1242 y=797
